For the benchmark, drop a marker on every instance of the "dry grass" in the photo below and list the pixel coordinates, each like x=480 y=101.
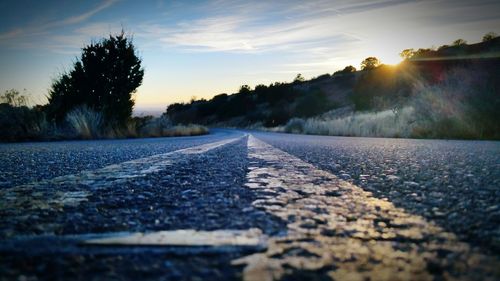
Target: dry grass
x=86 y=123
x=365 y=124
x=185 y=130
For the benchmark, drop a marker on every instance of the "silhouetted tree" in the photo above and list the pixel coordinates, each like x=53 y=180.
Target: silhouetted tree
x=459 y=42
x=422 y=53
x=299 y=78
x=407 y=54
x=370 y=63
x=489 y=36
x=347 y=69
x=440 y=48
x=104 y=78
x=245 y=89
x=14 y=98
x=17 y=120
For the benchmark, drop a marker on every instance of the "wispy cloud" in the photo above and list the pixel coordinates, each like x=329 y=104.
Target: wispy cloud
x=275 y=26
x=79 y=18
x=20 y=35
x=10 y=34
x=70 y=43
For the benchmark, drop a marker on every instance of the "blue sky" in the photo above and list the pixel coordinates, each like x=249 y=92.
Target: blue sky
x=203 y=48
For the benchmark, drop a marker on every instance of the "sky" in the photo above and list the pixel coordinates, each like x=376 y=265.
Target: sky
x=204 y=48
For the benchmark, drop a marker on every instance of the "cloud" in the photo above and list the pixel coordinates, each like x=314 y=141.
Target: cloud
x=371 y=5
x=21 y=36
x=279 y=25
x=82 y=17
x=10 y=34
x=242 y=34
x=71 y=43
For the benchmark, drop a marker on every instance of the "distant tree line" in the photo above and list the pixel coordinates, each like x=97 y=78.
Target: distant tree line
x=270 y=105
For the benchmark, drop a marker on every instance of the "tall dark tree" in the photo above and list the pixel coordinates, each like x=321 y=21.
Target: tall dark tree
x=459 y=42
x=104 y=78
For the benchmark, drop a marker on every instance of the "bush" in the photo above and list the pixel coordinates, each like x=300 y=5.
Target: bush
x=295 y=126
x=377 y=124
x=86 y=123
x=384 y=87
x=19 y=122
x=463 y=105
x=156 y=127
x=311 y=103
x=185 y=130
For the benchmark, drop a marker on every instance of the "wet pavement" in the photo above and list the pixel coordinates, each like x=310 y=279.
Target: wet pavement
x=263 y=206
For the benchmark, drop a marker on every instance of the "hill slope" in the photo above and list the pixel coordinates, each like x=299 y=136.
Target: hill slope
x=451 y=92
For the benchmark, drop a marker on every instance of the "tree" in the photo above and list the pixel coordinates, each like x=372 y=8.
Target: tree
x=299 y=79
x=104 y=78
x=370 y=63
x=17 y=120
x=13 y=98
x=459 y=42
x=245 y=89
x=489 y=36
x=347 y=69
x=407 y=54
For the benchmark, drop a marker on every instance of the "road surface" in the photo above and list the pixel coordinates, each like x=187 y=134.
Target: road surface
x=250 y=205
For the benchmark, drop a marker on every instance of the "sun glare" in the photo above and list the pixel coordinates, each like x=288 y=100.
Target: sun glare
x=392 y=59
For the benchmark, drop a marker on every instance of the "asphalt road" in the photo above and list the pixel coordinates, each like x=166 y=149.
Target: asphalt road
x=294 y=207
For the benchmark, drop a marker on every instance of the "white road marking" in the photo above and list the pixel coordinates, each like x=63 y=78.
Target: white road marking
x=186 y=237
x=339 y=228
x=46 y=194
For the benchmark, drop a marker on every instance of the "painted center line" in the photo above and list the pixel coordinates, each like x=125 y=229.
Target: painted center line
x=337 y=228
x=72 y=190
x=186 y=237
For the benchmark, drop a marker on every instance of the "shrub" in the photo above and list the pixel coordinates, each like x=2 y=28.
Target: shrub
x=311 y=103
x=19 y=122
x=156 y=126
x=295 y=126
x=463 y=105
x=365 y=124
x=185 y=130
x=86 y=123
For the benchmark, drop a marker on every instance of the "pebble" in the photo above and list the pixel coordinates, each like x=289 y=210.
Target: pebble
x=392 y=178
x=345 y=176
x=411 y=184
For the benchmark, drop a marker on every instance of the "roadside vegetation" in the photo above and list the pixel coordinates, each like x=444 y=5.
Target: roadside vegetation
x=447 y=92
x=92 y=100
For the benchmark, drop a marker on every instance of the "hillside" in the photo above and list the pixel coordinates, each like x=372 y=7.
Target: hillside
x=451 y=92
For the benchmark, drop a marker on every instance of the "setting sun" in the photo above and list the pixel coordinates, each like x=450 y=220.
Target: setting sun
x=391 y=59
